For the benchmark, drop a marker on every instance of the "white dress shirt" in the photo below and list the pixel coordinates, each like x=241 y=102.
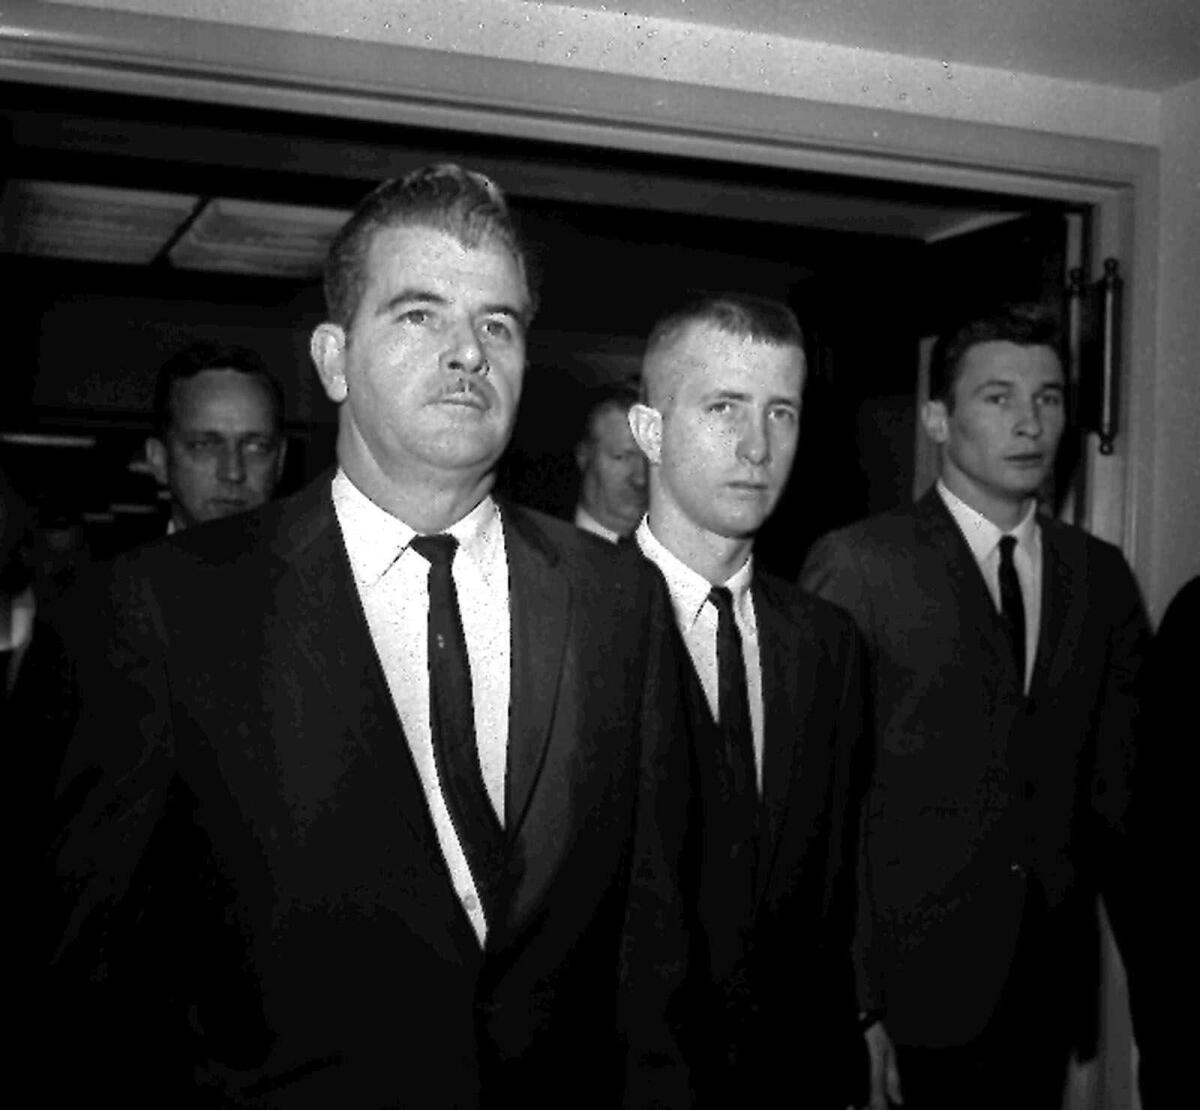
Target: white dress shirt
x=15 y=638
x=983 y=538
x=392 y=582
x=585 y=520
x=697 y=620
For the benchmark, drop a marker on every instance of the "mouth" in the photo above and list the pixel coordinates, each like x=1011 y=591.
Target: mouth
x=464 y=393
x=748 y=488
x=1030 y=460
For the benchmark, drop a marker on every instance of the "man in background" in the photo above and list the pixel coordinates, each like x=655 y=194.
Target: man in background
x=612 y=491
x=778 y=686
x=17 y=600
x=218 y=444
x=1004 y=648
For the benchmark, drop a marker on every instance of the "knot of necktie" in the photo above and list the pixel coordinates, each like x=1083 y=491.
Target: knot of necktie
x=437 y=550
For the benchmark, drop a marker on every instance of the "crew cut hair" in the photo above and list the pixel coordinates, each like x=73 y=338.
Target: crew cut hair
x=1026 y=324
x=761 y=319
x=466 y=205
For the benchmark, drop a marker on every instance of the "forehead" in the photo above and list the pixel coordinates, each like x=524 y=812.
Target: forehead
x=432 y=260
x=222 y=397
x=611 y=425
x=1001 y=361
x=704 y=358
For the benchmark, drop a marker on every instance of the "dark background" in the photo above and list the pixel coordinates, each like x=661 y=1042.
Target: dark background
x=619 y=238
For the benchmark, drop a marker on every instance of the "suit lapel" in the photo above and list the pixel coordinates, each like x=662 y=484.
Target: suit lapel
x=786 y=690
x=540 y=604
x=793 y=777
x=316 y=599
x=1058 y=589
x=969 y=592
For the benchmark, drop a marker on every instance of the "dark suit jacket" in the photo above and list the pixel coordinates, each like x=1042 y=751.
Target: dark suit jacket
x=983 y=796
x=778 y=1012
x=1150 y=909
x=251 y=877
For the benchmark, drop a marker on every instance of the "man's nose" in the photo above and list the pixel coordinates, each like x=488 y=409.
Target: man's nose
x=1029 y=420
x=231 y=465
x=753 y=443
x=464 y=352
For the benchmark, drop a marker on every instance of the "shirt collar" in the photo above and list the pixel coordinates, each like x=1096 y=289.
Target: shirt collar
x=585 y=520
x=375 y=539
x=981 y=534
x=689 y=590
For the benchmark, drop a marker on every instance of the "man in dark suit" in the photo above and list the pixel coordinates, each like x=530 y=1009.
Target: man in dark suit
x=1151 y=911
x=782 y=756
x=218 y=445
x=363 y=805
x=1003 y=651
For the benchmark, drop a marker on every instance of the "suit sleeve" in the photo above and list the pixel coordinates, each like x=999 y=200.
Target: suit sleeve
x=106 y=999
x=1148 y=908
x=833 y=570
x=657 y=941
x=1115 y=718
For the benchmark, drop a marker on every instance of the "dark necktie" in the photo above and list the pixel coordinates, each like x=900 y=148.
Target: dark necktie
x=733 y=704
x=1012 y=608
x=452 y=722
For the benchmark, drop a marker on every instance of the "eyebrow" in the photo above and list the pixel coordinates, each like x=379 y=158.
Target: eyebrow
x=416 y=295
x=405 y=296
x=739 y=395
x=1010 y=383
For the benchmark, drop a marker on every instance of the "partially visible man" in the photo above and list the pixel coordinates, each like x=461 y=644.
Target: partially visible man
x=1004 y=649
x=218 y=443
x=782 y=756
x=367 y=803
x=612 y=490
x=17 y=601
x=1151 y=915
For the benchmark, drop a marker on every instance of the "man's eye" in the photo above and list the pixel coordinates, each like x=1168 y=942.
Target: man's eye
x=720 y=408
x=996 y=398
x=199 y=445
x=1051 y=400
x=417 y=316
x=498 y=328
x=784 y=415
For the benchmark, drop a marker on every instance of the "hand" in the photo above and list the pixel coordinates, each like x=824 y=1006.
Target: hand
x=885 y=1075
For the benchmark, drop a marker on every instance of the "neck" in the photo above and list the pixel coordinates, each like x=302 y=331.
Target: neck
x=1004 y=512
x=427 y=503
x=607 y=520
x=714 y=557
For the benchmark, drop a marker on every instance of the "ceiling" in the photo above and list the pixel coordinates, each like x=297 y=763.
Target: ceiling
x=1136 y=44
x=1153 y=44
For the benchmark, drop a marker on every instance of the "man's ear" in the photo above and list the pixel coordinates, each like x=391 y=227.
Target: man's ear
x=328 y=350
x=156 y=457
x=646 y=425
x=583 y=454
x=935 y=418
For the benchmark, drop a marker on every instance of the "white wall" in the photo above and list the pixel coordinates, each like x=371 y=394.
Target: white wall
x=614 y=39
